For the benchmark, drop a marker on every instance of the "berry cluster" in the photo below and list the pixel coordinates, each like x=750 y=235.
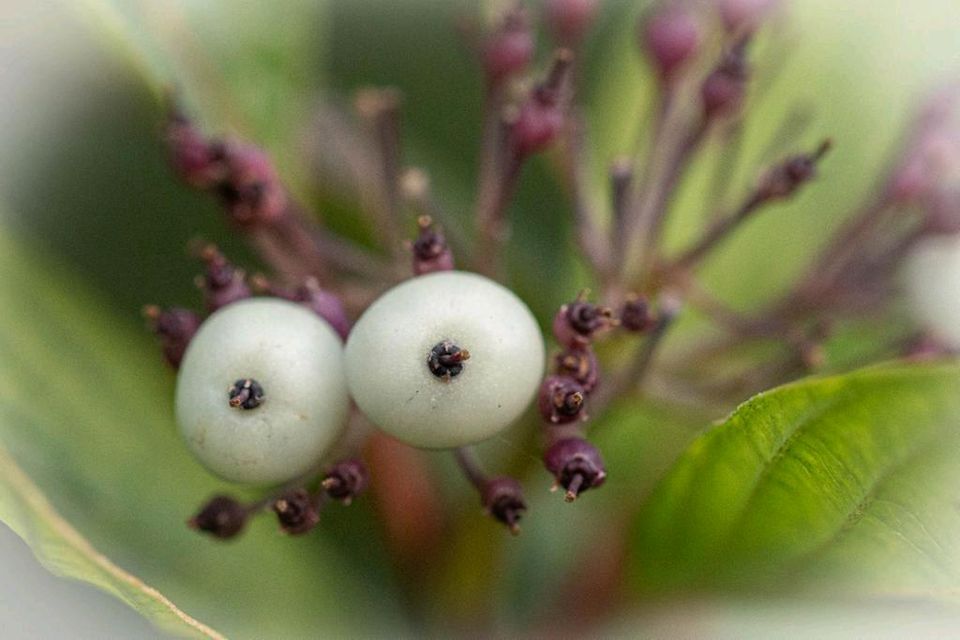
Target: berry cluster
x=279 y=386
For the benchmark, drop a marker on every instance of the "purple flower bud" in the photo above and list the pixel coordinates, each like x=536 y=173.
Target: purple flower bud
x=430 y=250
x=538 y=124
x=581 y=365
x=576 y=466
x=636 y=315
x=221 y=283
x=724 y=89
x=346 y=480
x=296 y=512
x=671 y=36
x=509 y=48
x=197 y=161
x=541 y=116
x=576 y=323
x=502 y=498
x=786 y=177
x=561 y=400
x=175 y=327
x=569 y=20
x=222 y=517
x=251 y=190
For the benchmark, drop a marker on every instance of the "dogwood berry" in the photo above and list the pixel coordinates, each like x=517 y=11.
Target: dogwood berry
x=445 y=360
x=261 y=391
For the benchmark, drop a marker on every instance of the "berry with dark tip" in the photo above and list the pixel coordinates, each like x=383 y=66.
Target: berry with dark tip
x=576 y=466
x=581 y=365
x=345 y=480
x=561 y=400
x=222 y=517
x=296 y=511
x=576 y=323
x=502 y=499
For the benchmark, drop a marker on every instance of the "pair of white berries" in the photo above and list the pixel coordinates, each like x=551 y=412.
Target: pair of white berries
x=442 y=360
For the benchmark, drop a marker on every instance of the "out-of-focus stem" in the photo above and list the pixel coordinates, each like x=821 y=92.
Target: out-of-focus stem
x=469 y=463
x=632 y=375
x=381 y=108
x=596 y=246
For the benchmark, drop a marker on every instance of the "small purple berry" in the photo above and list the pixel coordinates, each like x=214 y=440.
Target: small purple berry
x=581 y=365
x=199 y=162
x=296 y=512
x=251 y=190
x=671 y=36
x=430 y=250
x=325 y=304
x=346 y=480
x=576 y=466
x=561 y=400
x=577 y=322
x=636 y=314
x=222 y=283
x=222 y=517
x=509 y=48
x=502 y=499
x=174 y=327
x=723 y=91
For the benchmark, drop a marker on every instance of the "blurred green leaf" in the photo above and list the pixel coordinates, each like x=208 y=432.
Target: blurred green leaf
x=65 y=552
x=252 y=67
x=85 y=409
x=851 y=479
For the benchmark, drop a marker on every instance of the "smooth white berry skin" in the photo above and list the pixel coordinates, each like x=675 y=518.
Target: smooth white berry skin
x=298 y=360
x=933 y=285
x=387 y=351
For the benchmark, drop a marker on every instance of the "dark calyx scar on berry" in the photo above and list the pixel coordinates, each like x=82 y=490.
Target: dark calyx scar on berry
x=246 y=394
x=446 y=360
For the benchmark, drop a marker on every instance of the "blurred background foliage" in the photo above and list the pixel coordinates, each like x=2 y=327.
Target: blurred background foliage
x=93 y=226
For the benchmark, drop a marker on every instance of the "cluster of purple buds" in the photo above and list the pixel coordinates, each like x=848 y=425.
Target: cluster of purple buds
x=240 y=175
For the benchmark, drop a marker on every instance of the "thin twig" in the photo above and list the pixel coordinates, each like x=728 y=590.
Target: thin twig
x=469 y=463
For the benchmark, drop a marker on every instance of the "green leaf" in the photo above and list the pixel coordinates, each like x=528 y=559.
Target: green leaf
x=65 y=552
x=85 y=409
x=846 y=483
x=252 y=67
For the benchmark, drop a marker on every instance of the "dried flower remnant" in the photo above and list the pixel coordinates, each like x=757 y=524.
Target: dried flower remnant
x=576 y=466
x=296 y=511
x=222 y=517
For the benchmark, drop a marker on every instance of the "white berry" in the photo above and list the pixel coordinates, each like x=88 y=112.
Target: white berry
x=290 y=354
x=933 y=286
x=393 y=382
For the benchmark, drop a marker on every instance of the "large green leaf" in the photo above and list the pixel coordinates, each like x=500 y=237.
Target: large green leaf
x=65 y=552
x=851 y=480
x=85 y=409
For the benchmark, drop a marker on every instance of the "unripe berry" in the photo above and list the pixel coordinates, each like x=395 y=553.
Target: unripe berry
x=445 y=360
x=581 y=365
x=509 y=48
x=251 y=190
x=222 y=517
x=261 y=392
x=576 y=466
x=502 y=498
x=561 y=400
x=296 y=512
x=576 y=323
x=175 y=327
x=671 y=37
